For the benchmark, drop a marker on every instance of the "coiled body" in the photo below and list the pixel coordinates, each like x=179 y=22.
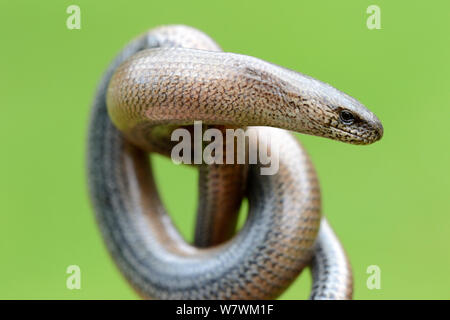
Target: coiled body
x=142 y=98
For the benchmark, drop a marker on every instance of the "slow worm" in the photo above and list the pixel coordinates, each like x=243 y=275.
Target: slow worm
x=170 y=77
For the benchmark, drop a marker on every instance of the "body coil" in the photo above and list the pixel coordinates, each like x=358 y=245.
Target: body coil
x=168 y=78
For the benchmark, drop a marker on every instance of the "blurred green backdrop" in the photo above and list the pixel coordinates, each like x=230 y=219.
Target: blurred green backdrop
x=388 y=202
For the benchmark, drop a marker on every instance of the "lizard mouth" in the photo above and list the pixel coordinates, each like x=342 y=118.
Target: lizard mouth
x=355 y=139
x=371 y=136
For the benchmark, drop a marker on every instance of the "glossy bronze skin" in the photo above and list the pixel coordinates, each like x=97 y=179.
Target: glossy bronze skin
x=170 y=77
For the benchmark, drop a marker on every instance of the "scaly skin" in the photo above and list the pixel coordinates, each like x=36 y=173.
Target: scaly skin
x=148 y=93
x=179 y=86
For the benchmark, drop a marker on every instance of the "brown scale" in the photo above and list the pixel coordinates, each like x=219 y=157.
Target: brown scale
x=158 y=90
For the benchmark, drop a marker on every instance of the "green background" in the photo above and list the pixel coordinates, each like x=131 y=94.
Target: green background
x=388 y=202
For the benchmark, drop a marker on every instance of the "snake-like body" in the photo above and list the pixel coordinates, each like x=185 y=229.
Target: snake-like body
x=170 y=77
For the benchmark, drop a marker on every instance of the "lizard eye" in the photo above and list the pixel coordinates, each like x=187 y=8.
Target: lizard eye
x=346 y=117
